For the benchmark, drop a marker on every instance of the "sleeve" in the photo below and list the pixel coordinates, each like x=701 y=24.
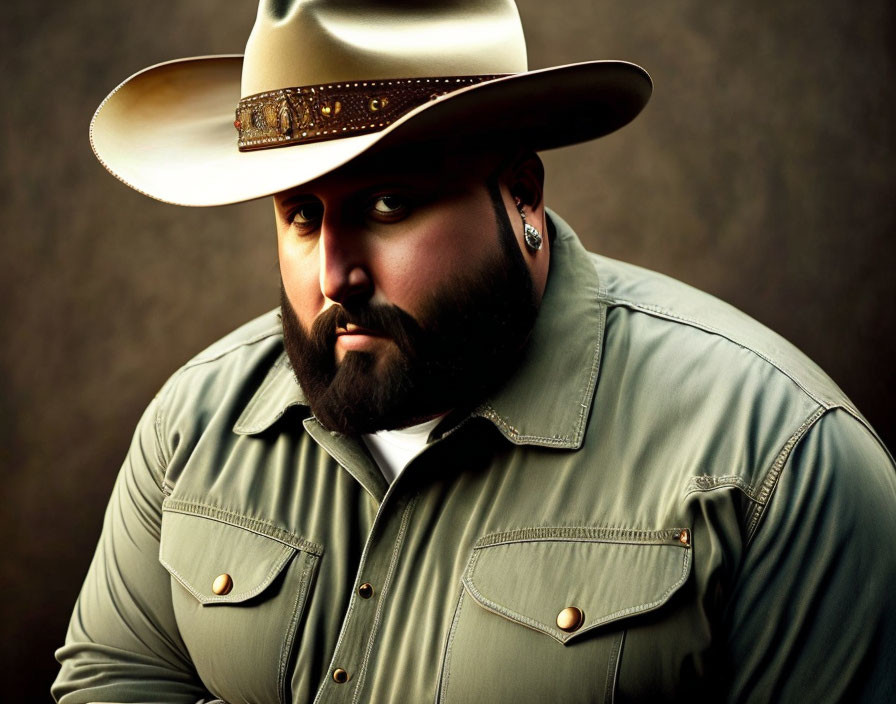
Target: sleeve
x=813 y=612
x=123 y=643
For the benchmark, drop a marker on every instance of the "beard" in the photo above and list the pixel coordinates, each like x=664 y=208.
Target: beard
x=467 y=341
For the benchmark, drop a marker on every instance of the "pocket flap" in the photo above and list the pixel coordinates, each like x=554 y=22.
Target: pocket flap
x=531 y=575
x=198 y=550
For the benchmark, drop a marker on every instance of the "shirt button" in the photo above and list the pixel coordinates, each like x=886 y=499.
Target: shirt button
x=685 y=537
x=365 y=591
x=570 y=619
x=340 y=675
x=222 y=584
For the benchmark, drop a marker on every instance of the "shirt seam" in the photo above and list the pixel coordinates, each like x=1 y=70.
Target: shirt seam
x=597 y=534
x=613 y=667
x=208 y=357
x=253 y=525
x=244 y=427
x=770 y=481
x=708 y=482
x=446 y=659
x=387 y=584
x=160 y=458
x=566 y=441
x=169 y=390
x=468 y=581
x=660 y=312
x=297 y=609
x=275 y=569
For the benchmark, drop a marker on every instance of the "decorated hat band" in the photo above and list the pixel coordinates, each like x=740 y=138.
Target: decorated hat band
x=321 y=112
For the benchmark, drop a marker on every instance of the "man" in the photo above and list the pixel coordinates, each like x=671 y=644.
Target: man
x=510 y=470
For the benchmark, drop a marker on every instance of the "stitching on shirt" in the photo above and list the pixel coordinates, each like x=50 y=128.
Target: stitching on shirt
x=168 y=390
x=595 y=534
x=490 y=605
x=161 y=399
x=652 y=309
x=297 y=609
x=267 y=421
x=771 y=478
x=347 y=619
x=592 y=377
x=160 y=458
x=487 y=411
x=564 y=441
x=276 y=566
x=446 y=659
x=707 y=482
x=253 y=525
x=613 y=667
x=213 y=357
x=387 y=584
x=513 y=434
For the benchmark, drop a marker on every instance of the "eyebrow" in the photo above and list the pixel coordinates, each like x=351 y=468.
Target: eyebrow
x=298 y=197
x=359 y=193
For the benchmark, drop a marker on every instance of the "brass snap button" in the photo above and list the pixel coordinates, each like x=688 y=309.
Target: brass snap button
x=365 y=591
x=340 y=675
x=570 y=619
x=685 y=537
x=222 y=584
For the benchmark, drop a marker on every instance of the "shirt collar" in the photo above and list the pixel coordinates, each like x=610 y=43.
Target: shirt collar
x=277 y=393
x=547 y=400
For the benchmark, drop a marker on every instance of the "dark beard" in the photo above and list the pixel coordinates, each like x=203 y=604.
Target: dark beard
x=468 y=342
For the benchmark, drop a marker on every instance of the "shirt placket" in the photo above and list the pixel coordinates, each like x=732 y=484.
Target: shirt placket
x=348 y=669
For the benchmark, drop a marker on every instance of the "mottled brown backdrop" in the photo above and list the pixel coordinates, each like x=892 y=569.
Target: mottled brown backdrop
x=762 y=171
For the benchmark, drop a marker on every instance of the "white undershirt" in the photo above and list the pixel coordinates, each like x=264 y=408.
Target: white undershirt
x=394 y=449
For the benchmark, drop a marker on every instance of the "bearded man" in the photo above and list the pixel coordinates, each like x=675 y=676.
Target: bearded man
x=466 y=460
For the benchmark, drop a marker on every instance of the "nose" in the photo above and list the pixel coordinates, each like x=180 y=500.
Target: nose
x=344 y=272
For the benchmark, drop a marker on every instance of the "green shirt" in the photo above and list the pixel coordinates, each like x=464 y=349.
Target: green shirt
x=697 y=503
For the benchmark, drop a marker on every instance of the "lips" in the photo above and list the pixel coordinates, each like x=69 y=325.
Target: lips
x=352 y=329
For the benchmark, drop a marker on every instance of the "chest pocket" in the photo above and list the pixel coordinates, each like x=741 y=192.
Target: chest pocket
x=506 y=642
x=239 y=589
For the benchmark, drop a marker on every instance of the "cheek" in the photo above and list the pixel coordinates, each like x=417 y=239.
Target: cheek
x=439 y=250
x=299 y=264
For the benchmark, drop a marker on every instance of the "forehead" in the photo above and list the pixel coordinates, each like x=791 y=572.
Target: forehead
x=433 y=166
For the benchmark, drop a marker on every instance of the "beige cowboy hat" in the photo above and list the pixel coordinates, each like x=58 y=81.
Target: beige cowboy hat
x=323 y=81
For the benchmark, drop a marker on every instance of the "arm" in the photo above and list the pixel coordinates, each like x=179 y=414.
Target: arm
x=123 y=643
x=813 y=614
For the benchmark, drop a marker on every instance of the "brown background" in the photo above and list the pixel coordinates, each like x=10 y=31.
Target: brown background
x=762 y=171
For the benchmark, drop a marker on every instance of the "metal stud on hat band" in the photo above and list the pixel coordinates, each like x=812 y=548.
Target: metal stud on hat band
x=330 y=111
x=342 y=79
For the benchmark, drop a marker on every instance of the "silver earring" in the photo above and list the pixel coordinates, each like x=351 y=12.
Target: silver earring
x=531 y=235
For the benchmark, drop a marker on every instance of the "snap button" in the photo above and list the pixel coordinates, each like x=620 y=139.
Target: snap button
x=365 y=591
x=570 y=619
x=685 y=537
x=222 y=584
x=340 y=675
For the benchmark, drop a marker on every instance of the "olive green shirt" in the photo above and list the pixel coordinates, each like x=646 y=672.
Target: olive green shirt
x=696 y=504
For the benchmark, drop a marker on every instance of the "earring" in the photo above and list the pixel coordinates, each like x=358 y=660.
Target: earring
x=531 y=235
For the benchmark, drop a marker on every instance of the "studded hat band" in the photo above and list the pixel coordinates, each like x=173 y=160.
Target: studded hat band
x=316 y=113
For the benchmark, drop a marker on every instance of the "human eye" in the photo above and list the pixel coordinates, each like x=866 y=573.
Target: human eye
x=389 y=207
x=306 y=216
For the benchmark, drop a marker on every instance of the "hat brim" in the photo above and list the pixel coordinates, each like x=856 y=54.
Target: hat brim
x=168 y=131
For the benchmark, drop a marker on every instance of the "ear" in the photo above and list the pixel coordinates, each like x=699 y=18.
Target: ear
x=526 y=180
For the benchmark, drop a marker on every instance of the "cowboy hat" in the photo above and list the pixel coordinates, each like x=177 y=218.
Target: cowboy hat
x=324 y=81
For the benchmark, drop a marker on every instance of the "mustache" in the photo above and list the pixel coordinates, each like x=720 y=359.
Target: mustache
x=387 y=320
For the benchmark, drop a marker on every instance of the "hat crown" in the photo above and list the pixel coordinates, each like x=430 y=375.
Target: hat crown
x=307 y=42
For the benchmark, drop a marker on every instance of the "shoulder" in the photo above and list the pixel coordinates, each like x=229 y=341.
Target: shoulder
x=221 y=381
x=233 y=361
x=246 y=340
x=716 y=332
x=722 y=399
